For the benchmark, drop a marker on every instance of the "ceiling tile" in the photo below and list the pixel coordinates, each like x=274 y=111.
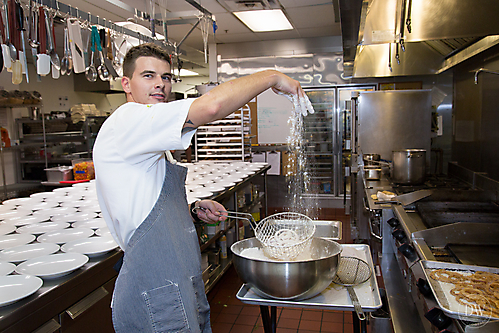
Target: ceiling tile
x=322 y=15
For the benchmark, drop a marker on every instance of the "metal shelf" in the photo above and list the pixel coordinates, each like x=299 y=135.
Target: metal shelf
x=219 y=139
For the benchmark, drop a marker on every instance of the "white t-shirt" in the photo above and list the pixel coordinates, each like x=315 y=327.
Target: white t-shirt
x=129 y=159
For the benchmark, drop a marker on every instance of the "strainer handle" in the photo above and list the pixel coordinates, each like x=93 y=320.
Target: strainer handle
x=356 y=304
x=233 y=215
x=240 y=216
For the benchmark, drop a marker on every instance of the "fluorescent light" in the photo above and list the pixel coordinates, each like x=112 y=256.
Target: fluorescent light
x=184 y=72
x=264 y=20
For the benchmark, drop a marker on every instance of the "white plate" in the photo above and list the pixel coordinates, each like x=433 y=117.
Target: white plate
x=16 y=287
x=43 y=196
x=92 y=247
x=17 y=202
x=41 y=228
x=202 y=194
x=53 y=265
x=42 y=205
x=6 y=268
x=32 y=219
x=226 y=183
x=65 y=235
x=215 y=188
x=6 y=228
x=13 y=214
x=103 y=232
x=28 y=251
x=8 y=241
x=93 y=224
x=74 y=217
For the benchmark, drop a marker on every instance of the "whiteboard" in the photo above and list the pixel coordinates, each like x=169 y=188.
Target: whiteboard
x=273 y=112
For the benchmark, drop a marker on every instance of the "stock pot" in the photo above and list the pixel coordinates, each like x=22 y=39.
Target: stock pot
x=409 y=166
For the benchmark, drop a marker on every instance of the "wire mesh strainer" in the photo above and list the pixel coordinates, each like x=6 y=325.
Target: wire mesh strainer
x=283 y=235
x=352 y=272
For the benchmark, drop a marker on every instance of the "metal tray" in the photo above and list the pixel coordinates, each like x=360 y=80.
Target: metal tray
x=441 y=290
x=328 y=229
x=334 y=297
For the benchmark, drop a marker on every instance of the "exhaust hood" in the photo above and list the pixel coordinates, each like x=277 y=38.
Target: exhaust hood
x=414 y=37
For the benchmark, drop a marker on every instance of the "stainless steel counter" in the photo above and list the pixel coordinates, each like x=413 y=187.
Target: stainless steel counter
x=57 y=295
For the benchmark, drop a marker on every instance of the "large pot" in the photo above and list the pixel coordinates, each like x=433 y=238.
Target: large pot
x=409 y=166
x=288 y=280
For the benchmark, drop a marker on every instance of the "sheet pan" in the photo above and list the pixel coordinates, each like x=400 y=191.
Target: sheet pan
x=441 y=290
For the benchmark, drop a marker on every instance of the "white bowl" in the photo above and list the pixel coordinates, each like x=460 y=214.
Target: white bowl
x=53 y=265
x=29 y=251
x=16 y=287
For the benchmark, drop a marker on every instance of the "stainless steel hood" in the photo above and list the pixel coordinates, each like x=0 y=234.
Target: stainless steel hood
x=414 y=37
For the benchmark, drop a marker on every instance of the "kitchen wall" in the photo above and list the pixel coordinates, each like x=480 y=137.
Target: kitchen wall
x=475 y=139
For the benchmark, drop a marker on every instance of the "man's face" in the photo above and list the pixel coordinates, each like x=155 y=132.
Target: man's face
x=150 y=83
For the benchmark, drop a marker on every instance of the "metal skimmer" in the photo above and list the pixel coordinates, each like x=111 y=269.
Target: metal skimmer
x=352 y=272
x=283 y=235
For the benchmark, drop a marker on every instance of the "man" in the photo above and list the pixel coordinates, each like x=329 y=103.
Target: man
x=142 y=195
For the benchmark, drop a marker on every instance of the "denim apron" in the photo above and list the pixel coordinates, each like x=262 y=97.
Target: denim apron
x=160 y=286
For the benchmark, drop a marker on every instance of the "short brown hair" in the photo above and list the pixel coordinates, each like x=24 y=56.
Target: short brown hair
x=143 y=50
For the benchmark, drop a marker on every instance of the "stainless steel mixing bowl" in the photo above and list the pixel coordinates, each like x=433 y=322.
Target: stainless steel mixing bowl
x=288 y=280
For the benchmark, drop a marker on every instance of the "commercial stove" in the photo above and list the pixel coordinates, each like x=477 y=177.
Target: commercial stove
x=458 y=223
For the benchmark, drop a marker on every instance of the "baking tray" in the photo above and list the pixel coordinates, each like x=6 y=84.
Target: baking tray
x=334 y=297
x=441 y=290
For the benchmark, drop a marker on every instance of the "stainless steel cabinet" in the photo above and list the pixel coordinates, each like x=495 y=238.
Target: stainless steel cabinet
x=327 y=135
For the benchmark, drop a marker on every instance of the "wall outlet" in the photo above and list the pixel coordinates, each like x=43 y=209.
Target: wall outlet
x=63 y=103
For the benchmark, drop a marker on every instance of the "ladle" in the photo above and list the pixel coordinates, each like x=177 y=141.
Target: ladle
x=102 y=70
x=64 y=60
x=90 y=71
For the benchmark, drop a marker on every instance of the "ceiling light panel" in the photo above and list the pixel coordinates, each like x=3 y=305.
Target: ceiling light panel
x=264 y=20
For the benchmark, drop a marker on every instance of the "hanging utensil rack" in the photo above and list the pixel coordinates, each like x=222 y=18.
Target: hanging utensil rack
x=96 y=20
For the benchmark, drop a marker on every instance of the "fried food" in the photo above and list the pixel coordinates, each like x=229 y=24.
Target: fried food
x=479 y=291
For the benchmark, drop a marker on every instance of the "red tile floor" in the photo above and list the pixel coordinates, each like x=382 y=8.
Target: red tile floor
x=229 y=315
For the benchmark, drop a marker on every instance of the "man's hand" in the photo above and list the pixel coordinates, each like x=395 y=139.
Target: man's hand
x=301 y=105
x=209 y=211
